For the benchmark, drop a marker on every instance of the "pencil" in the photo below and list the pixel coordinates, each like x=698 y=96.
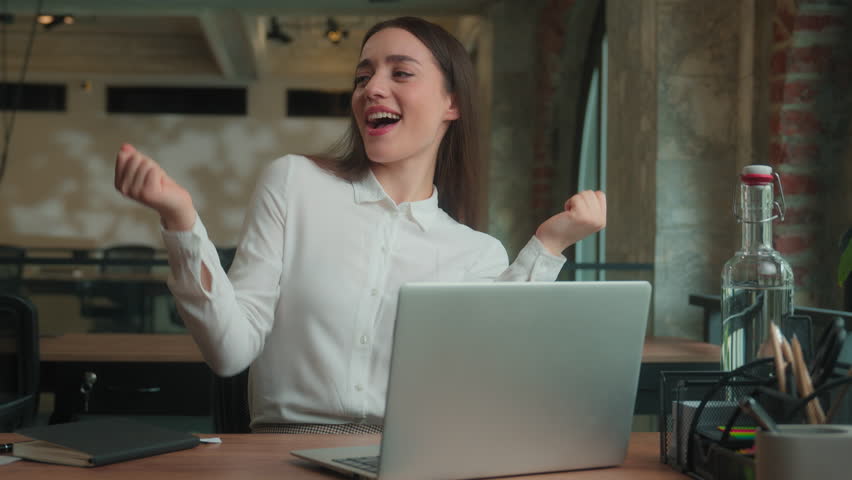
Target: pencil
x=788 y=357
x=775 y=340
x=797 y=379
x=807 y=386
x=751 y=407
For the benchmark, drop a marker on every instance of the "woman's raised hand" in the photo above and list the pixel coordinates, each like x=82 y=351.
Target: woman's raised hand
x=142 y=179
x=585 y=214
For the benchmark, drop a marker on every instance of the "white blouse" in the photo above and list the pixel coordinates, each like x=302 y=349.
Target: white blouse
x=310 y=299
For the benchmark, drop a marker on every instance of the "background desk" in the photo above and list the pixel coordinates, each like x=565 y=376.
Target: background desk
x=166 y=375
x=668 y=354
x=156 y=374
x=263 y=456
x=113 y=301
x=69 y=281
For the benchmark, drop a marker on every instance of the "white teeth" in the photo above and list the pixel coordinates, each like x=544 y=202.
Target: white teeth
x=377 y=115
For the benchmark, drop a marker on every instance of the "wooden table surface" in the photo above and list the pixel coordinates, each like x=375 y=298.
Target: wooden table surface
x=265 y=456
x=679 y=350
x=122 y=347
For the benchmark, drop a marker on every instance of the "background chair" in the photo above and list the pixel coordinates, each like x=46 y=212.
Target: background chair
x=118 y=305
x=230 y=404
x=230 y=394
x=19 y=362
x=11 y=268
x=226 y=256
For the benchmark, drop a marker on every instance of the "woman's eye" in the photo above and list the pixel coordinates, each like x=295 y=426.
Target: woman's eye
x=361 y=79
x=402 y=74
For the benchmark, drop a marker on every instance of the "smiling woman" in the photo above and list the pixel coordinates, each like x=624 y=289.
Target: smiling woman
x=310 y=299
x=407 y=102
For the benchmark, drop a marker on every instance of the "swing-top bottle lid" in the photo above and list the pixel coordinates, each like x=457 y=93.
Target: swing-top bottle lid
x=757 y=175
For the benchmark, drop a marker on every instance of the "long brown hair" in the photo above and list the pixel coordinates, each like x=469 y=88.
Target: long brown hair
x=456 y=175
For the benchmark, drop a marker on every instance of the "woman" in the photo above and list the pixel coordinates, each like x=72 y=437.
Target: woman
x=326 y=244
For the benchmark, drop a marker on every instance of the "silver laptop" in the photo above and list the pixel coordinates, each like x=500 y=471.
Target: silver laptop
x=505 y=379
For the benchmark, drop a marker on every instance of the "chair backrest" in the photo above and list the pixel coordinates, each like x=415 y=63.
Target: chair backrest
x=112 y=256
x=11 y=268
x=19 y=362
x=226 y=256
x=230 y=404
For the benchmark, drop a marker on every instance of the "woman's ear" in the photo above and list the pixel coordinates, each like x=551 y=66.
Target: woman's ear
x=452 y=112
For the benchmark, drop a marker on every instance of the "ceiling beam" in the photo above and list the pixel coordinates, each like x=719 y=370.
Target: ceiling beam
x=232 y=38
x=256 y=7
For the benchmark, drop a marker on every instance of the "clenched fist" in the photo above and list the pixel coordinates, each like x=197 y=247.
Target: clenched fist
x=142 y=179
x=585 y=214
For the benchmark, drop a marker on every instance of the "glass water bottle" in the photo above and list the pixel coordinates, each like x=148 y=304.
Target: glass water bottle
x=757 y=283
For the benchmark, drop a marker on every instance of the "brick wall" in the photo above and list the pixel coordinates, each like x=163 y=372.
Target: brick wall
x=809 y=81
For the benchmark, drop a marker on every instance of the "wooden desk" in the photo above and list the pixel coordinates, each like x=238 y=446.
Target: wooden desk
x=120 y=348
x=263 y=456
x=679 y=350
x=157 y=374
x=173 y=364
x=125 y=300
x=123 y=347
x=669 y=354
x=70 y=281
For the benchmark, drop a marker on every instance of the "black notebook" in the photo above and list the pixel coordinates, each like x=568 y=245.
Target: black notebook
x=99 y=442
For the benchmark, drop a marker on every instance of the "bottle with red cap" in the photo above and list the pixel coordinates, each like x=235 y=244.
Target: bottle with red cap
x=757 y=283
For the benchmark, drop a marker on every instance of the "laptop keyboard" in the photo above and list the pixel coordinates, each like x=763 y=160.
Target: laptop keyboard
x=369 y=464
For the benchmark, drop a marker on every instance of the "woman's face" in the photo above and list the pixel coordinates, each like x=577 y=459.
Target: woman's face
x=400 y=104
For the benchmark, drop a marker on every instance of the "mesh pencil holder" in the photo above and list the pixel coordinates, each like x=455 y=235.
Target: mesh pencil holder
x=680 y=394
x=698 y=410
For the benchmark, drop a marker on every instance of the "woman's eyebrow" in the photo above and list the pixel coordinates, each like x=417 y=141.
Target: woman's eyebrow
x=389 y=59
x=401 y=59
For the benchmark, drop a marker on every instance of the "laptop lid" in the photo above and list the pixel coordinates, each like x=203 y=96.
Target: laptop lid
x=493 y=379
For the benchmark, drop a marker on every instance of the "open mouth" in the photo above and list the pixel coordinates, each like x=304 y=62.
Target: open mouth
x=379 y=123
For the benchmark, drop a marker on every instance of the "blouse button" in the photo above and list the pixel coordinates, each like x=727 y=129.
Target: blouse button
x=374 y=292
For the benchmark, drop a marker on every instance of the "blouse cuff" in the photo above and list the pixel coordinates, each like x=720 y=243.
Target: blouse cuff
x=184 y=241
x=536 y=259
x=185 y=253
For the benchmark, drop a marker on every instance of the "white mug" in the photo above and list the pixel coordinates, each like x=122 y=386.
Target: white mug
x=804 y=452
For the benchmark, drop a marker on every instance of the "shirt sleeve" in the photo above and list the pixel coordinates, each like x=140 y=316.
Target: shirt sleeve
x=534 y=263
x=231 y=321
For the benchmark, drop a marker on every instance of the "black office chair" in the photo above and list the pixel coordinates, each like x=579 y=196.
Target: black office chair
x=19 y=362
x=114 y=304
x=230 y=404
x=11 y=268
x=230 y=394
x=226 y=256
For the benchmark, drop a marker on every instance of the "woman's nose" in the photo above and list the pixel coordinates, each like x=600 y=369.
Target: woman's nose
x=376 y=87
